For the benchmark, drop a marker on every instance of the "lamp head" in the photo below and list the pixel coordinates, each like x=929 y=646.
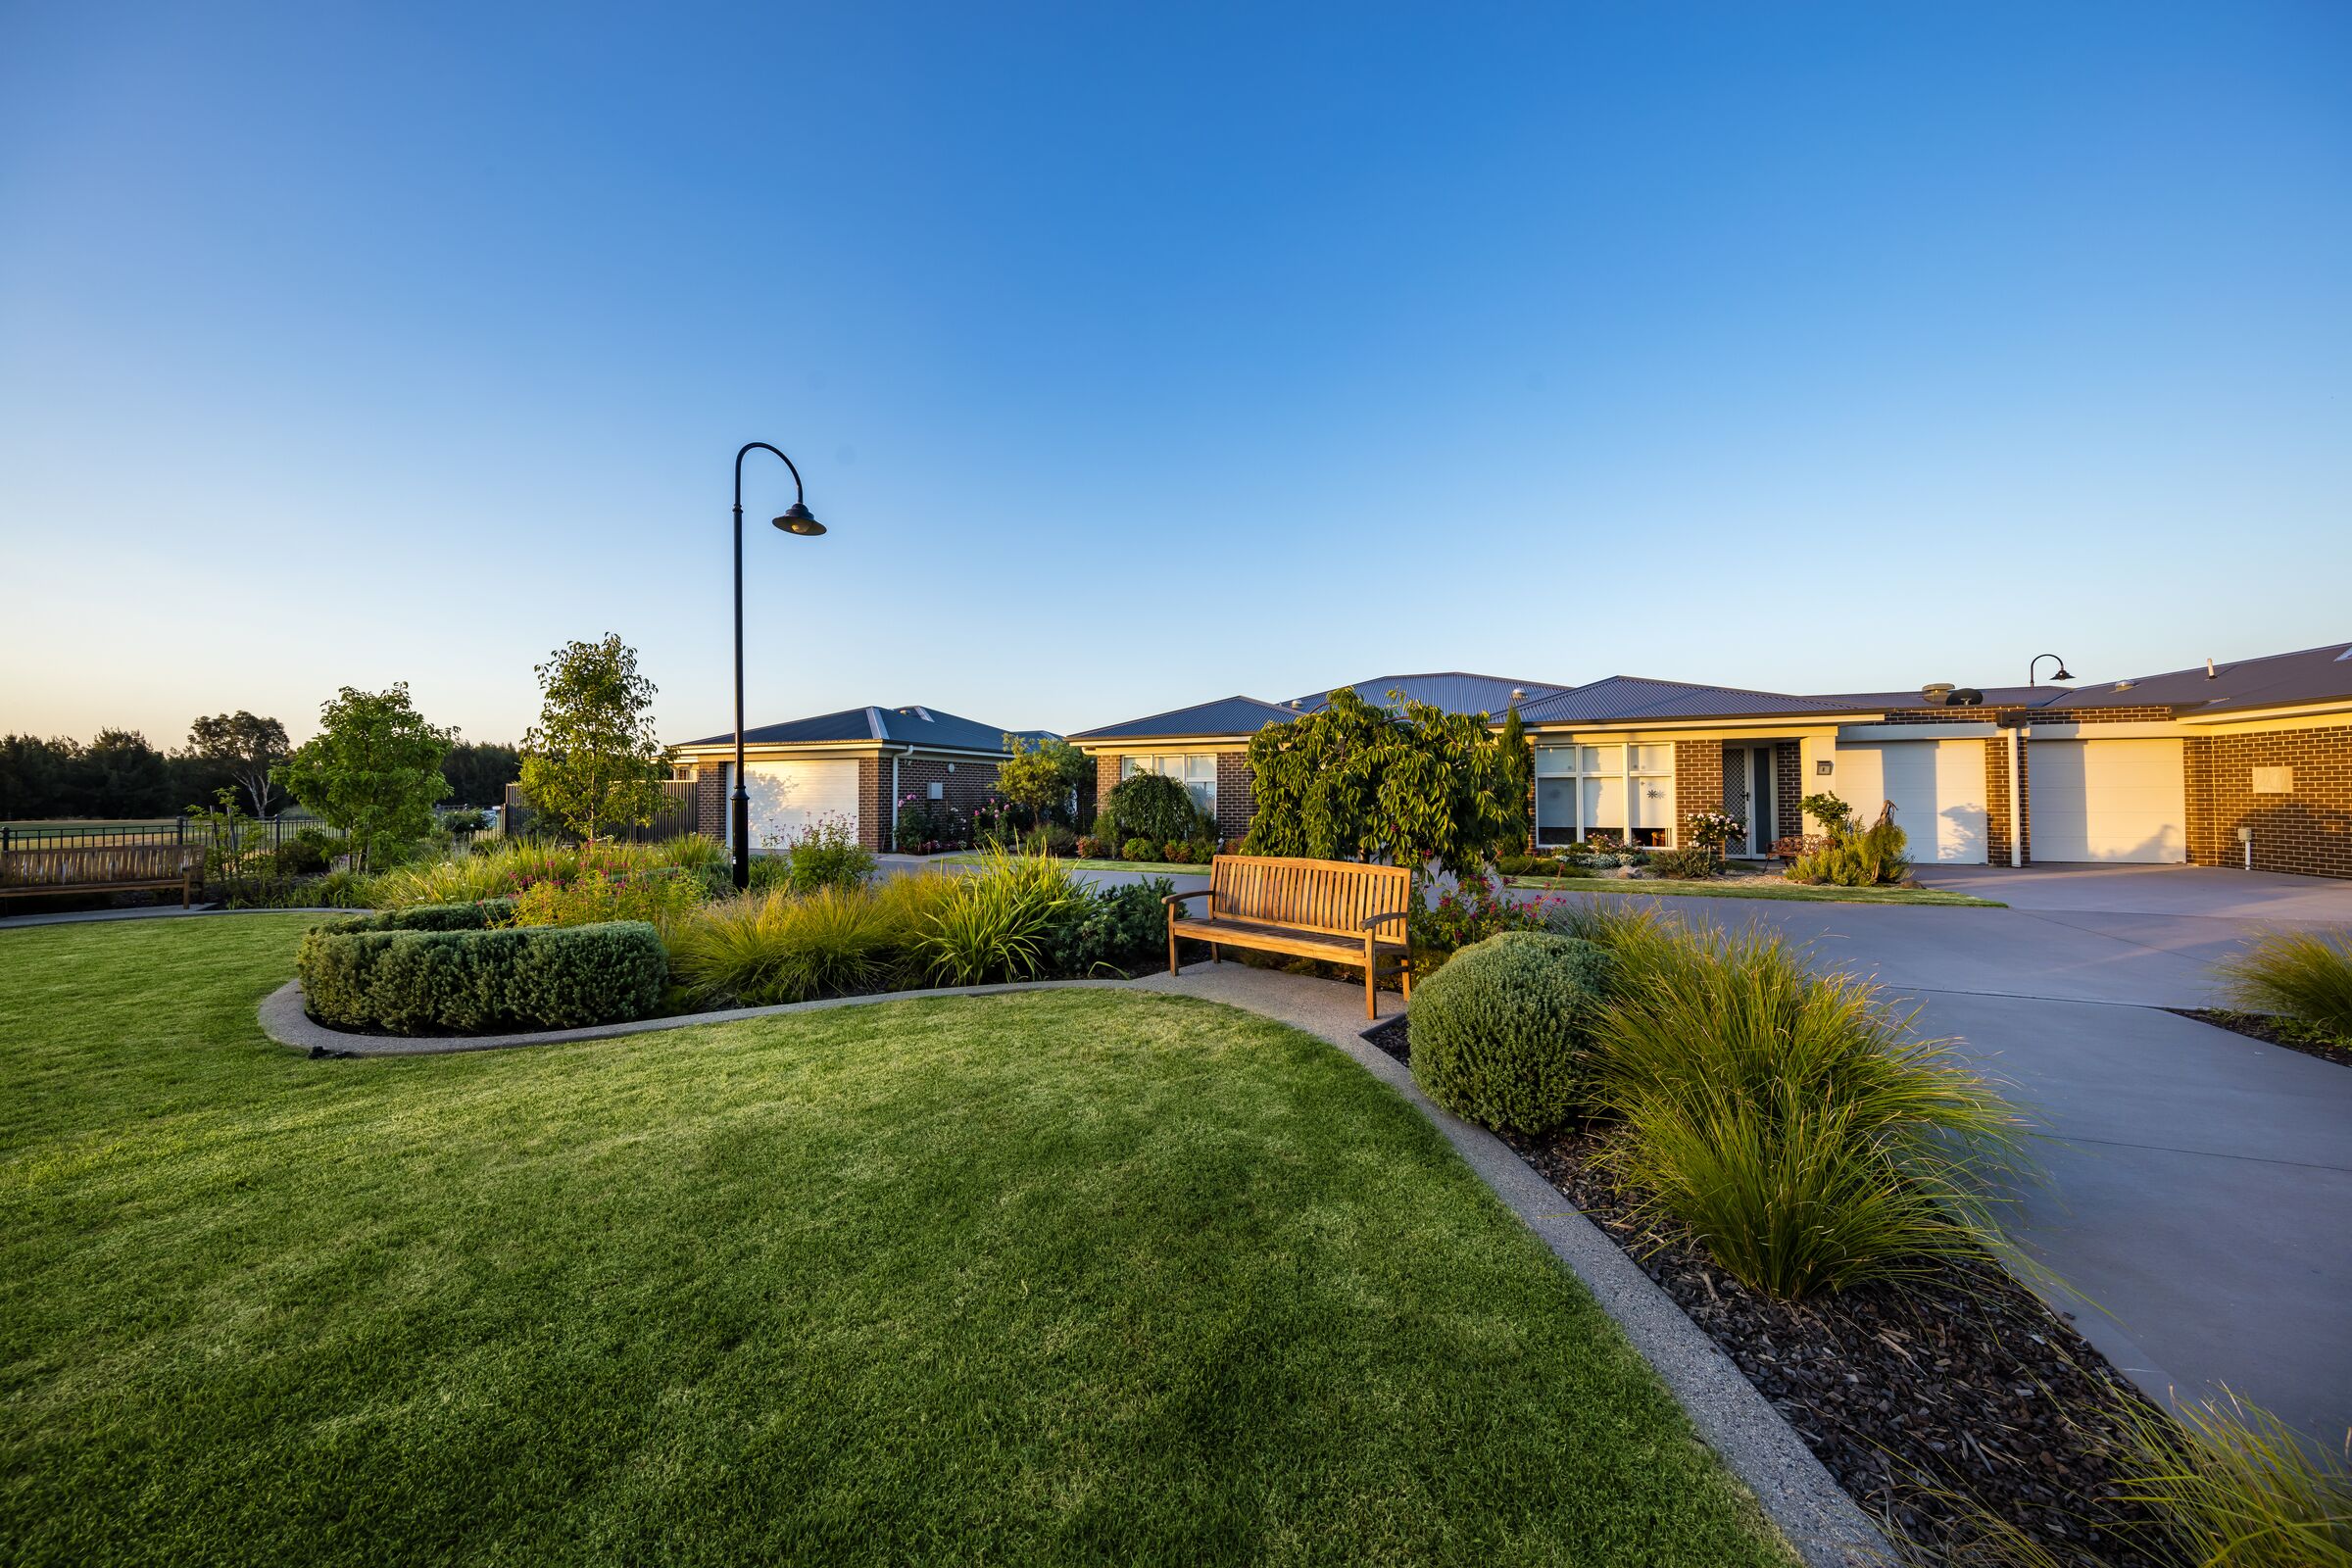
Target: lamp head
x=2062 y=674
x=799 y=519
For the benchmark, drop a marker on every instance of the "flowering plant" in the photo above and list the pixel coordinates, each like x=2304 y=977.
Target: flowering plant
x=1472 y=913
x=1712 y=830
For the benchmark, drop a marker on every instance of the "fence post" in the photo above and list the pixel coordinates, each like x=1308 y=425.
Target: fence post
x=180 y=833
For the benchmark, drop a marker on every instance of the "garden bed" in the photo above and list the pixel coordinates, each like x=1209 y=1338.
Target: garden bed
x=2289 y=1032
x=1751 y=887
x=1932 y=1405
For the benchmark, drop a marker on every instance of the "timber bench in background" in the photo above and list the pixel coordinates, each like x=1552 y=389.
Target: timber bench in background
x=1334 y=911
x=35 y=871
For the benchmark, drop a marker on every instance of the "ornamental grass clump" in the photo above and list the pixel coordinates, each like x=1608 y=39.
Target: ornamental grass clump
x=766 y=947
x=997 y=923
x=2304 y=975
x=1499 y=1035
x=2230 y=1484
x=1790 y=1122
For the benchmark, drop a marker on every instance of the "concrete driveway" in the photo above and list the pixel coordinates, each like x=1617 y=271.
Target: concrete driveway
x=2198 y=1206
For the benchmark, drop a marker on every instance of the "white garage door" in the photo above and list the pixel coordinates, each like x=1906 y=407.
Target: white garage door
x=1938 y=788
x=2107 y=800
x=787 y=797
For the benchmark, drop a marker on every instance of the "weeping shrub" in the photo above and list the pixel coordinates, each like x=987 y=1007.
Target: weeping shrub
x=1500 y=1034
x=2305 y=975
x=1790 y=1122
x=1153 y=806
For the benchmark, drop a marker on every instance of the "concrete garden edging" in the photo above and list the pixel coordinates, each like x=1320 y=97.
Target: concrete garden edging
x=1826 y=1527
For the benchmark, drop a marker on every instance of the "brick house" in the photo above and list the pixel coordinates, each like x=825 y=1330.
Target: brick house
x=2246 y=764
x=856 y=764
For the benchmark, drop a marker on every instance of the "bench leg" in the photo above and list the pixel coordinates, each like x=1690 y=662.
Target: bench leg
x=1216 y=954
x=1371 y=981
x=1171 y=945
x=1404 y=976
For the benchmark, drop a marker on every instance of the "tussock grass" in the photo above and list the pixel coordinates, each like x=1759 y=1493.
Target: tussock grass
x=2305 y=975
x=993 y=923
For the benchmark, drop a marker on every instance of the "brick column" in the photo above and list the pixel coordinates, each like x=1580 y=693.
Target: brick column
x=1697 y=783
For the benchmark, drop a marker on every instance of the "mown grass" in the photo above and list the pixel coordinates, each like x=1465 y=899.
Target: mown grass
x=1075 y=863
x=1065 y=1277
x=1797 y=892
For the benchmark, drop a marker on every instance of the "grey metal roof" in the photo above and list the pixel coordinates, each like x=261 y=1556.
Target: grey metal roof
x=1632 y=696
x=1227 y=715
x=1451 y=690
x=2309 y=675
x=910 y=726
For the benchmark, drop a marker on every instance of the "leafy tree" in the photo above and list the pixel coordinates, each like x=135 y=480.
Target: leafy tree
x=1357 y=782
x=479 y=771
x=244 y=746
x=592 y=761
x=1041 y=775
x=1520 y=759
x=122 y=775
x=36 y=775
x=1154 y=806
x=374 y=768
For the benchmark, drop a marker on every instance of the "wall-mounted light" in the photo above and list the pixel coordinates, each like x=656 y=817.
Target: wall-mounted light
x=1823 y=766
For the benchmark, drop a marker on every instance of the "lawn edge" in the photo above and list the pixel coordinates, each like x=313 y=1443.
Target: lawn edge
x=1664 y=888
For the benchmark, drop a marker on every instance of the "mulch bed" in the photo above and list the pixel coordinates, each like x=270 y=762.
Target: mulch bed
x=2288 y=1032
x=1931 y=1403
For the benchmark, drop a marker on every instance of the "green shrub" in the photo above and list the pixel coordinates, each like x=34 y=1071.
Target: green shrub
x=769 y=874
x=1139 y=849
x=302 y=856
x=768 y=948
x=2305 y=975
x=997 y=923
x=1690 y=864
x=660 y=897
x=827 y=854
x=1500 y=1033
x=434 y=971
x=1153 y=806
x=1788 y=1121
x=1112 y=928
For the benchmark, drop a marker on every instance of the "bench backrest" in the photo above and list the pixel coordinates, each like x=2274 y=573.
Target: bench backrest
x=1331 y=896
x=86 y=866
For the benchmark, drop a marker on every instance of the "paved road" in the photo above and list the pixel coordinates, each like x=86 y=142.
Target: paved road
x=2198 y=1206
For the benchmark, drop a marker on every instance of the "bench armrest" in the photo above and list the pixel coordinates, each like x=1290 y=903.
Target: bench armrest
x=1381 y=919
x=1174 y=899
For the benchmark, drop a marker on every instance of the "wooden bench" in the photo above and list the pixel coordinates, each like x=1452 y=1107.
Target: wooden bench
x=1334 y=911
x=34 y=872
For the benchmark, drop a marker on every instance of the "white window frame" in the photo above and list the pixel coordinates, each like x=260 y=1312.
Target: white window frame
x=1612 y=760
x=1196 y=771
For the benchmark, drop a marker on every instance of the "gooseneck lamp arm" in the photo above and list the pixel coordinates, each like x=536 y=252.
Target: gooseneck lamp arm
x=739 y=806
x=2059 y=674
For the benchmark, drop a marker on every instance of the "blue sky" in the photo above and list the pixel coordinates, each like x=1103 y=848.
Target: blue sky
x=1137 y=356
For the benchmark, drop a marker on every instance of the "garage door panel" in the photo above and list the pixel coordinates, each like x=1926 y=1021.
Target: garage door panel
x=2119 y=800
x=1938 y=788
x=788 y=798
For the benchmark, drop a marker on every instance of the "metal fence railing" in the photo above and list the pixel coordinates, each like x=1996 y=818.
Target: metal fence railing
x=252 y=832
x=677 y=817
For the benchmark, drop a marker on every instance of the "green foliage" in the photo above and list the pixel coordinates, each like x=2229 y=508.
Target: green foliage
x=1355 y=782
x=768 y=948
x=307 y=853
x=508 y=867
x=1500 y=1034
x=592 y=761
x=1519 y=762
x=1156 y=808
x=997 y=922
x=464 y=820
x=1829 y=809
x=2306 y=975
x=1140 y=849
x=660 y=897
x=479 y=771
x=1043 y=776
x=1471 y=914
x=924 y=826
x=1792 y=1122
x=1872 y=858
x=2232 y=1484
x=455 y=978
x=243 y=746
x=1690 y=864
x=373 y=769
x=1113 y=929
x=827 y=854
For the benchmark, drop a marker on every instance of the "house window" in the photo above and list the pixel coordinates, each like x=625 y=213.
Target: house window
x=1605 y=794
x=1197 y=772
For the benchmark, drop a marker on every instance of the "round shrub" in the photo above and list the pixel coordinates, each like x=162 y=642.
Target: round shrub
x=1500 y=1033
x=1139 y=849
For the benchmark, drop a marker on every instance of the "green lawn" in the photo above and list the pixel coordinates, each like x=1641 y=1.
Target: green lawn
x=1066 y=1277
x=1151 y=867
x=1800 y=891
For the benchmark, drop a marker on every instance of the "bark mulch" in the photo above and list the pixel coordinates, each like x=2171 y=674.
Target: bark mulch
x=2289 y=1032
x=1934 y=1404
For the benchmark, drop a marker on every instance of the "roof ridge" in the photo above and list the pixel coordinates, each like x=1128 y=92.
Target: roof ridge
x=1707 y=686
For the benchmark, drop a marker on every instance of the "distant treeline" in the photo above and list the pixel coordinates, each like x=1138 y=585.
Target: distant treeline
x=120 y=773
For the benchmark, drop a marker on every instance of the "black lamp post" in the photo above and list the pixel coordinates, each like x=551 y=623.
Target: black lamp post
x=2061 y=673
x=798 y=519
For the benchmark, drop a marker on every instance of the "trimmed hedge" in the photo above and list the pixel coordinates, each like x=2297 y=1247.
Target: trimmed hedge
x=1499 y=1033
x=448 y=970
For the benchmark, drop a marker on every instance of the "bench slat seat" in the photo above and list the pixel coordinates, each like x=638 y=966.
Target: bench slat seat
x=1340 y=912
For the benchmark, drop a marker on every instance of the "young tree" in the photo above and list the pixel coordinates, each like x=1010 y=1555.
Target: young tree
x=245 y=748
x=1041 y=775
x=373 y=769
x=592 y=761
x=1364 y=783
x=1520 y=758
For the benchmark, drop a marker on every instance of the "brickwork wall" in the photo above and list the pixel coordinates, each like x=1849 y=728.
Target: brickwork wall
x=1996 y=796
x=2307 y=831
x=711 y=800
x=1697 y=783
x=1236 y=801
x=1107 y=777
x=1789 y=787
x=971 y=783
